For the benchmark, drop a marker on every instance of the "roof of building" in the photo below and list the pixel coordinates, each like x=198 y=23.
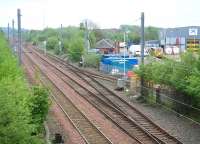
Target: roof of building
x=182 y=32
x=105 y=43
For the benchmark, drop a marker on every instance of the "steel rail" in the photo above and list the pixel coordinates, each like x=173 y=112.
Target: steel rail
x=128 y=118
x=85 y=137
x=155 y=133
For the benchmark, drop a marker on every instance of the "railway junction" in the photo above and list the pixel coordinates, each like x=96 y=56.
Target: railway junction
x=86 y=111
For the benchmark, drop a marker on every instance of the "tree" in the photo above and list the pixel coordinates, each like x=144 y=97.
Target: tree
x=151 y=33
x=52 y=42
x=92 y=39
x=75 y=49
x=98 y=34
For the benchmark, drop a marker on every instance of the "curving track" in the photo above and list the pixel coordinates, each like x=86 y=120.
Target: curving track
x=111 y=98
x=129 y=119
x=90 y=133
x=126 y=124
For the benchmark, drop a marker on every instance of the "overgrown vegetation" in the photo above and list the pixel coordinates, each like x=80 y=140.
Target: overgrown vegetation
x=183 y=75
x=18 y=121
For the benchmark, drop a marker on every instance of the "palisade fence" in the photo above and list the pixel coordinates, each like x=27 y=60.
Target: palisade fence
x=167 y=97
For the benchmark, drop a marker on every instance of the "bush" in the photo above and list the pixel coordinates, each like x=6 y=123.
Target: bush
x=182 y=75
x=15 y=95
x=39 y=106
x=92 y=60
x=52 y=42
x=74 y=48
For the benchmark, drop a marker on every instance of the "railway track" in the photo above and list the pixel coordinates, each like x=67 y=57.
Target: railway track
x=93 y=74
x=118 y=117
x=120 y=104
x=86 y=129
x=82 y=124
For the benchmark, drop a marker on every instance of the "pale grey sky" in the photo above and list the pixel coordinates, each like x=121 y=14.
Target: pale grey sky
x=37 y=14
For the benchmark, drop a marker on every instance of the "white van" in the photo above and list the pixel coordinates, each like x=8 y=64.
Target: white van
x=136 y=50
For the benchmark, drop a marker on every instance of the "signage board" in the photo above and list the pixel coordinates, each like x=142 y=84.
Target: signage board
x=193 y=32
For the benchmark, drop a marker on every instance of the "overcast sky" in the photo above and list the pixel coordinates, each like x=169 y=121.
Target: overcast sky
x=37 y=14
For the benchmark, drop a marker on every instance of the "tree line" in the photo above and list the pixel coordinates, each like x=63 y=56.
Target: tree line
x=73 y=37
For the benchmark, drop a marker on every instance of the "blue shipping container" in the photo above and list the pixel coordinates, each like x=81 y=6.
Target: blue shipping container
x=115 y=64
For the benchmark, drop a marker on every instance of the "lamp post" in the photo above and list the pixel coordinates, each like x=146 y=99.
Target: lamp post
x=19 y=35
x=125 y=47
x=45 y=47
x=124 y=55
x=61 y=43
x=142 y=52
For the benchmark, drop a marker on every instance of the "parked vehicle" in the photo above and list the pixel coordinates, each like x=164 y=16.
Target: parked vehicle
x=172 y=50
x=136 y=50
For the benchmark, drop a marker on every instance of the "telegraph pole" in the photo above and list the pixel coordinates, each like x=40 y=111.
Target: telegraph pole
x=61 y=32
x=13 y=30
x=8 y=32
x=142 y=51
x=19 y=35
x=86 y=36
x=142 y=38
x=13 y=35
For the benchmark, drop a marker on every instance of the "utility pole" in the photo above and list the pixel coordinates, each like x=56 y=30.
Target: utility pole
x=19 y=35
x=13 y=30
x=142 y=51
x=124 y=74
x=124 y=56
x=142 y=38
x=61 y=33
x=13 y=34
x=8 y=32
x=86 y=36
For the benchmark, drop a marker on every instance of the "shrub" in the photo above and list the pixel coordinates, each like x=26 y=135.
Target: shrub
x=15 y=115
x=52 y=42
x=182 y=75
x=39 y=106
x=92 y=60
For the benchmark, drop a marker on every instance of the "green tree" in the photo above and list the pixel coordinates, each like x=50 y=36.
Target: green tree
x=75 y=49
x=92 y=39
x=52 y=42
x=98 y=34
x=151 y=33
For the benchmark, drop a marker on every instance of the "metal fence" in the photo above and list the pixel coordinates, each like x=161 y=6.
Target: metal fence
x=168 y=98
